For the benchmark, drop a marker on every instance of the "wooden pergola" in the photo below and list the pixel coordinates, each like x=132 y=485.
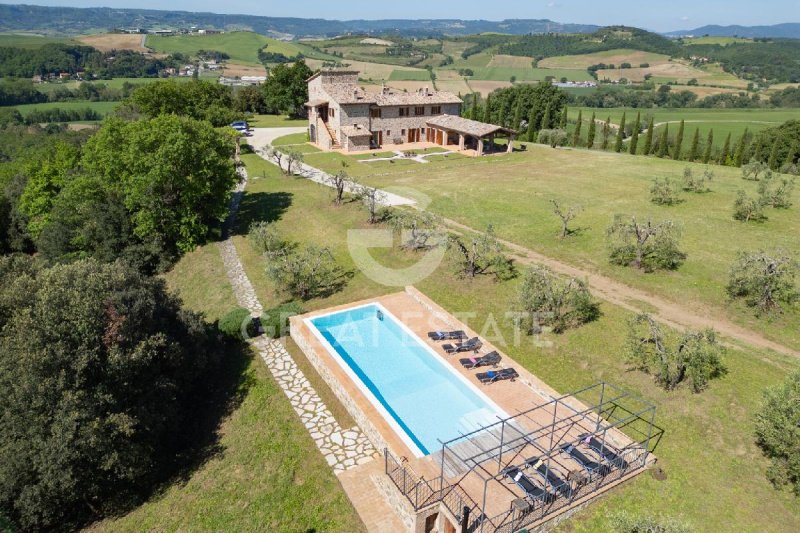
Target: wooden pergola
x=447 y=130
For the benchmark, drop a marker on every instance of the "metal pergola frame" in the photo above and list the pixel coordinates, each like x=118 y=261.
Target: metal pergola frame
x=596 y=418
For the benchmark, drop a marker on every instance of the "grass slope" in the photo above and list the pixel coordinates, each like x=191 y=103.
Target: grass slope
x=715 y=474
x=242 y=46
x=513 y=193
x=18 y=40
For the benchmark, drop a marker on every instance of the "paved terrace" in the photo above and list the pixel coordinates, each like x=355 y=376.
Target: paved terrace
x=422 y=315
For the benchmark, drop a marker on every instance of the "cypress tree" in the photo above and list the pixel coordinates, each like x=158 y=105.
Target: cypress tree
x=517 y=116
x=591 y=134
x=606 y=133
x=648 y=140
x=502 y=120
x=663 y=144
x=576 y=136
x=487 y=110
x=532 y=125
x=772 y=162
x=546 y=118
x=562 y=122
x=709 y=147
x=695 y=145
x=726 y=149
x=790 y=156
x=473 y=112
x=620 y=134
x=738 y=154
x=635 y=134
x=676 y=155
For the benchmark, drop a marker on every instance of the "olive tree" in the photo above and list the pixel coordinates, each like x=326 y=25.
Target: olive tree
x=554 y=138
x=372 y=199
x=293 y=159
x=420 y=230
x=694 y=356
x=764 y=280
x=694 y=183
x=776 y=192
x=481 y=254
x=664 y=192
x=747 y=209
x=755 y=170
x=306 y=272
x=340 y=183
x=566 y=215
x=778 y=432
x=265 y=239
x=547 y=299
x=647 y=245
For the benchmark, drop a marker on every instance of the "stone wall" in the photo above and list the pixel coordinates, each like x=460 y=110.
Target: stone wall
x=301 y=336
x=392 y=121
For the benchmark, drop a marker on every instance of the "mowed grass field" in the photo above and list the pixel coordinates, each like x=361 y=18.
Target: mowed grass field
x=722 y=121
x=715 y=477
x=267 y=474
x=101 y=107
x=241 y=46
x=29 y=41
x=513 y=193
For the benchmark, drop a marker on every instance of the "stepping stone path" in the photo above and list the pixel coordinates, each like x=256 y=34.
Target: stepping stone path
x=398 y=155
x=342 y=448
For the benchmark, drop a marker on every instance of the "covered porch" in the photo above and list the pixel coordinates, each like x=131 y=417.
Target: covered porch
x=469 y=135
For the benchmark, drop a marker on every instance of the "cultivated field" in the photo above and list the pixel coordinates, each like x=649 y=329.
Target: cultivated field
x=18 y=40
x=716 y=40
x=454 y=86
x=236 y=69
x=242 y=47
x=374 y=71
x=410 y=75
x=106 y=42
x=609 y=57
x=511 y=61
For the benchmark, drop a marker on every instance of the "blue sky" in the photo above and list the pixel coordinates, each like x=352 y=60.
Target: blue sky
x=661 y=16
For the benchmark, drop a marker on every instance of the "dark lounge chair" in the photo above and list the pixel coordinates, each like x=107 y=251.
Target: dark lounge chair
x=497 y=375
x=604 y=451
x=551 y=478
x=472 y=345
x=593 y=468
x=490 y=359
x=531 y=489
x=447 y=335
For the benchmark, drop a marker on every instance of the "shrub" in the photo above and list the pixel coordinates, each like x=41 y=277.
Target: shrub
x=238 y=324
x=557 y=137
x=664 y=192
x=778 y=432
x=764 y=281
x=275 y=321
x=561 y=304
x=746 y=209
x=695 y=356
x=646 y=245
x=625 y=522
x=265 y=238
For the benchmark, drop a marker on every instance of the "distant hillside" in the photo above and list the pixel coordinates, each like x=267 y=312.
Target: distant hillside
x=778 y=31
x=67 y=20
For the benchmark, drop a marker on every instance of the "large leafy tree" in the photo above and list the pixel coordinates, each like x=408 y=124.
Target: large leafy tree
x=778 y=432
x=100 y=374
x=201 y=100
x=286 y=89
x=175 y=175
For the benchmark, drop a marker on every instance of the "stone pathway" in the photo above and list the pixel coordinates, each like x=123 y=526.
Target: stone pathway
x=419 y=158
x=342 y=448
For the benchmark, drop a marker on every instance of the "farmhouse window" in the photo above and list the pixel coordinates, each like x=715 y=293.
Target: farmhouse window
x=375 y=112
x=419 y=110
x=436 y=110
x=404 y=111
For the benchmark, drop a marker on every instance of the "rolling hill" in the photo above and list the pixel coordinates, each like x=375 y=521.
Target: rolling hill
x=789 y=30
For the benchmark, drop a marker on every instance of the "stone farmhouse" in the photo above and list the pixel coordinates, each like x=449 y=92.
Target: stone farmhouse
x=343 y=116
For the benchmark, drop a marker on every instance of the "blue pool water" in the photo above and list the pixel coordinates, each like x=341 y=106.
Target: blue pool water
x=417 y=392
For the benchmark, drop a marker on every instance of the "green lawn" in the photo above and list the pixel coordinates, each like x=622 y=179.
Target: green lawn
x=242 y=46
x=514 y=192
x=723 y=121
x=101 y=107
x=410 y=75
x=267 y=474
x=18 y=40
x=275 y=121
x=715 y=474
x=527 y=74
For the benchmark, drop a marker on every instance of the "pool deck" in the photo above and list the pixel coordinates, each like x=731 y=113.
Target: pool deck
x=421 y=315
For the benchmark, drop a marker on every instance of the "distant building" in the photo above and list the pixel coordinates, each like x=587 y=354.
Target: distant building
x=344 y=116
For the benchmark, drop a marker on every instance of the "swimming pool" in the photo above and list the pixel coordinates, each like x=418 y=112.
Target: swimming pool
x=422 y=397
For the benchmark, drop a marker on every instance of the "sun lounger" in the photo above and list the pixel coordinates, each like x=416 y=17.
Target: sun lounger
x=531 y=489
x=447 y=335
x=603 y=451
x=472 y=345
x=550 y=477
x=593 y=468
x=490 y=359
x=497 y=375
